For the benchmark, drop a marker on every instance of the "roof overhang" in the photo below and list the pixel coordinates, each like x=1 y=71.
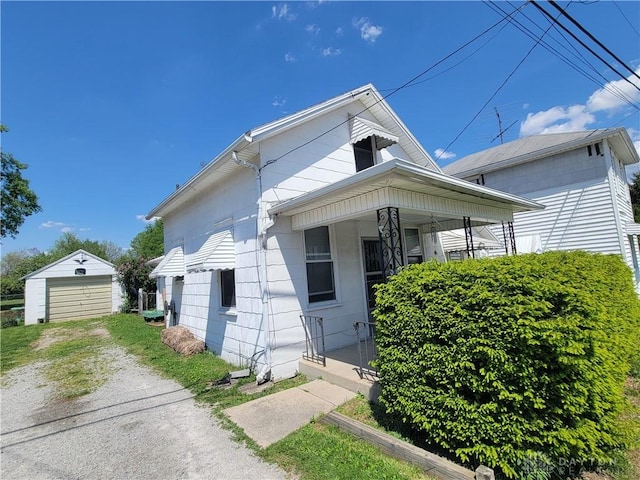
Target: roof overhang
x=398 y=183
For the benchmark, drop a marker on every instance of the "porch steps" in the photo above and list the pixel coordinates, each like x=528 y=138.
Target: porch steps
x=343 y=374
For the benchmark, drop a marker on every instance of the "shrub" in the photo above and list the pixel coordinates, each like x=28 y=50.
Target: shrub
x=133 y=274
x=501 y=361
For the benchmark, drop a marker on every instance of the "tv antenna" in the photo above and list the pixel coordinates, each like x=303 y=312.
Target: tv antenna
x=500 y=130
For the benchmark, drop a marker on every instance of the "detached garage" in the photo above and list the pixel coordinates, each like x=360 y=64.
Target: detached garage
x=77 y=286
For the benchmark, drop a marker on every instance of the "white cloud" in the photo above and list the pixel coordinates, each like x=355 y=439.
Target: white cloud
x=278 y=102
x=312 y=29
x=143 y=219
x=578 y=117
x=52 y=224
x=557 y=120
x=281 y=12
x=615 y=94
x=331 y=52
x=339 y=32
x=289 y=57
x=66 y=229
x=368 y=31
x=442 y=154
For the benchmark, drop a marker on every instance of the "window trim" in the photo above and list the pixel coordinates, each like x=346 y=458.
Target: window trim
x=334 y=268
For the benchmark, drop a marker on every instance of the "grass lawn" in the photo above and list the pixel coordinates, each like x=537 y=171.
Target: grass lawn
x=314 y=452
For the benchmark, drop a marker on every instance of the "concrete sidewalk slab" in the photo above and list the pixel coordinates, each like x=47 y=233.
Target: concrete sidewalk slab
x=269 y=419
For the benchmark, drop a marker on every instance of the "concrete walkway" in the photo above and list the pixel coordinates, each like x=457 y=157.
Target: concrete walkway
x=269 y=419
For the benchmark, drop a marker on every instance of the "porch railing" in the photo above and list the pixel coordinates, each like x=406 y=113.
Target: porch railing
x=366 y=335
x=314 y=339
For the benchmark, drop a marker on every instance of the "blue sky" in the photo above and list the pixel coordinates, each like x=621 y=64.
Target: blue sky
x=114 y=103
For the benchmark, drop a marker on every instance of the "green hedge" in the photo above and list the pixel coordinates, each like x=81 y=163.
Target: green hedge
x=514 y=362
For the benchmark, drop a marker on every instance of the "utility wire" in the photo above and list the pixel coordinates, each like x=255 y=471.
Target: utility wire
x=587 y=33
x=548 y=15
x=625 y=17
x=494 y=94
x=608 y=86
x=395 y=90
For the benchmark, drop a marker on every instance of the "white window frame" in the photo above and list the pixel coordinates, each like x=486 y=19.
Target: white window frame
x=336 y=285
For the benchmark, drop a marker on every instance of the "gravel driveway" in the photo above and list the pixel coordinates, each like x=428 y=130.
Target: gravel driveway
x=136 y=426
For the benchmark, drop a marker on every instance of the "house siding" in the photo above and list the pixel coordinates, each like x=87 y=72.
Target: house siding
x=586 y=200
x=324 y=161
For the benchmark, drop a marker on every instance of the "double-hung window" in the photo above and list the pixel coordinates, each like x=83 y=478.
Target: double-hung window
x=227 y=288
x=320 y=281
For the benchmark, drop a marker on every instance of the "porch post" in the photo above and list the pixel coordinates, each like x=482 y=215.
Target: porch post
x=468 y=235
x=506 y=243
x=512 y=236
x=390 y=240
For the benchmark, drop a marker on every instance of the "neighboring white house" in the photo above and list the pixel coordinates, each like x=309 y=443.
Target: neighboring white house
x=580 y=178
x=301 y=217
x=77 y=286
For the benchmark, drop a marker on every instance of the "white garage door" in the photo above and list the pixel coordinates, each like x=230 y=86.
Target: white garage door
x=78 y=297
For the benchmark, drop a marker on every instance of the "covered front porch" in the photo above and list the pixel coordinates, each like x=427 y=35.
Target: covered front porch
x=382 y=218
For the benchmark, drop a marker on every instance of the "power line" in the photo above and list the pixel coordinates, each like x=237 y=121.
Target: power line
x=625 y=17
x=586 y=32
x=495 y=93
x=548 y=15
x=608 y=86
x=394 y=91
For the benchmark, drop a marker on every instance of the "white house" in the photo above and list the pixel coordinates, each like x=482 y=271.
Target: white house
x=301 y=217
x=580 y=178
x=77 y=286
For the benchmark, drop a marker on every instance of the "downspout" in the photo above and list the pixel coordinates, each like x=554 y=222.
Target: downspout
x=261 y=229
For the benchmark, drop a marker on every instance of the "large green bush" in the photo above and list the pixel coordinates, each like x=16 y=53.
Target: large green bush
x=514 y=362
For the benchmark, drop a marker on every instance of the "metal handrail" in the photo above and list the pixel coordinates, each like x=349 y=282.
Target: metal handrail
x=366 y=335
x=314 y=339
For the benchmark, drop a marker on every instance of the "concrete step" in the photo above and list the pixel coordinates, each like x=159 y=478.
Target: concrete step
x=344 y=375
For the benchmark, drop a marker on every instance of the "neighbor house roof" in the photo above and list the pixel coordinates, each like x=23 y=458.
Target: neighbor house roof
x=246 y=145
x=532 y=148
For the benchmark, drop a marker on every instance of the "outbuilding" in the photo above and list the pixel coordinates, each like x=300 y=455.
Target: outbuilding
x=80 y=285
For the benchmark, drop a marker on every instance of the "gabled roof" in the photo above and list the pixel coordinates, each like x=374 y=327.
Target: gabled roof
x=246 y=146
x=532 y=148
x=80 y=251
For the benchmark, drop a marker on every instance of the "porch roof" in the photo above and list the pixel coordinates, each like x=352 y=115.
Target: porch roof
x=410 y=187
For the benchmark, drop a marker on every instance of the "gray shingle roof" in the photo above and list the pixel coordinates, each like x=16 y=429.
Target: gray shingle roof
x=526 y=149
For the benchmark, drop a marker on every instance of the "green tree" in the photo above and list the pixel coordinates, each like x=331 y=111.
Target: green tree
x=18 y=200
x=69 y=243
x=634 y=189
x=150 y=242
x=15 y=265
